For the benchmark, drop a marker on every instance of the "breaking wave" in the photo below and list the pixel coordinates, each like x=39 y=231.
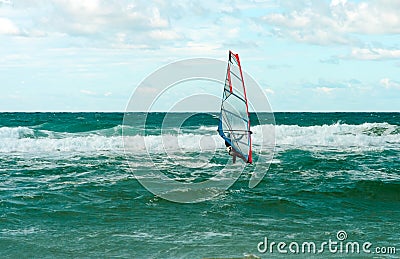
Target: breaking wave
x=339 y=136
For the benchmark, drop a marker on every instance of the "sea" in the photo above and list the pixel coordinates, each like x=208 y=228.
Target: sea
x=70 y=188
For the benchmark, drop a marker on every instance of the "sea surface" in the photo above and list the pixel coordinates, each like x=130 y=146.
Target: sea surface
x=68 y=188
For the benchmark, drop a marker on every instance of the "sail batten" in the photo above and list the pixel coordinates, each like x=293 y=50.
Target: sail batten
x=234 y=124
x=236 y=115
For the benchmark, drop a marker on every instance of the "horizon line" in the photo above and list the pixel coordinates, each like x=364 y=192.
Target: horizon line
x=278 y=111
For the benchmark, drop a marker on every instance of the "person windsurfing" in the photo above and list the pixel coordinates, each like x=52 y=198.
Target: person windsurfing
x=234 y=117
x=232 y=152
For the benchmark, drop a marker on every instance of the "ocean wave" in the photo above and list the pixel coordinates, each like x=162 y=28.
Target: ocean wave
x=68 y=144
x=337 y=135
x=35 y=132
x=16 y=132
x=205 y=139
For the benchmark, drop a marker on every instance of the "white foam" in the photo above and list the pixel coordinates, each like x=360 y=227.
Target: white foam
x=337 y=136
x=16 y=132
x=81 y=144
x=174 y=143
x=20 y=232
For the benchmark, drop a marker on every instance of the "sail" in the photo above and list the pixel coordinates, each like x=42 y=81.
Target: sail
x=234 y=121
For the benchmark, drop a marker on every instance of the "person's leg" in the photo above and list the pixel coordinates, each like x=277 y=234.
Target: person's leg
x=234 y=158
x=242 y=157
x=235 y=153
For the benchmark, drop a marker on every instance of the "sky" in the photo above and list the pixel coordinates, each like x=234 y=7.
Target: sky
x=306 y=55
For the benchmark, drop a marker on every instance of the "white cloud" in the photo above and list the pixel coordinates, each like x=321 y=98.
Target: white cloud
x=164 y=35
x=8 y=27
x=156 y=20
x=337 y=22
x=269 y=91
x=374 y=53
x=370 y=17
x=195 y=26
x=87 y=92
x=324 y=89
x=88 y=7
x=94 y=19
x=140 y=25
x=324 y=85
x=390 y=84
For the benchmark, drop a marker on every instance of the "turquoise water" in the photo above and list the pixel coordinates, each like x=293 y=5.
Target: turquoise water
x=66 y=188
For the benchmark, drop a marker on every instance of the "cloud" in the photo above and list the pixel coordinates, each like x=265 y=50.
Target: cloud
x=322 y=84
x=178 y=28
x=390 y=84
x=8 y=27
x=99 y=21
x=324 y=89
x=374 y=53
x=140 y=25
x=95 y=94
x=164 y=35
x=269 y=91
x=337 y=22
x=96 y=17
x=87 y=92
x=329 y=86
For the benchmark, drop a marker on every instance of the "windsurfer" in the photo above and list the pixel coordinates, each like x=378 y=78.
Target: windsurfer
x=234 y=118
x=232 y=152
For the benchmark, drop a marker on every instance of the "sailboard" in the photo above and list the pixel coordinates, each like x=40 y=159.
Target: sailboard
x=234 y=119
